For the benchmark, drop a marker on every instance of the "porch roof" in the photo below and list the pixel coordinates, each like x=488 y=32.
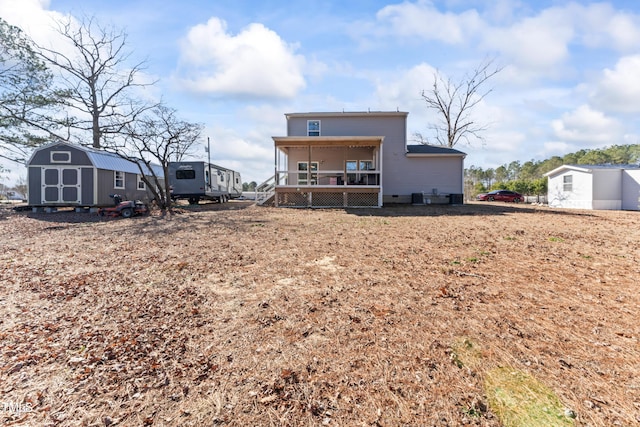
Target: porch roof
x=328 y=141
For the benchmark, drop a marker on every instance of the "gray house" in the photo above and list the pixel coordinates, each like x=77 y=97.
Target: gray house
x=62 y=174
x=605 y=187
x=358 y=159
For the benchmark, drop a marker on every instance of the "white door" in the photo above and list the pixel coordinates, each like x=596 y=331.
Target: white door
x=61 y=185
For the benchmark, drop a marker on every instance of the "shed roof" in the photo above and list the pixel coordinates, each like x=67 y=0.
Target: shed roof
x=108 y=161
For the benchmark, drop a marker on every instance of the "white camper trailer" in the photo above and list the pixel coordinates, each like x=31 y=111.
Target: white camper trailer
x=195 y=181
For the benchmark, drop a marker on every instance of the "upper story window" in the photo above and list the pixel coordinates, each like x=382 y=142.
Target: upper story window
x=567 y=183
x=60 y=157
x=313 y=127
x=141 y=184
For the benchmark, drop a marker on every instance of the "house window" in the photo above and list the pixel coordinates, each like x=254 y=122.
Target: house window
x=141 y=183
x=303 y=167
x=118 y=179
x=567 y=183
x=354 y=166
x=351 y=166
x=313 y=127
x=366 y=165
x=60 y=157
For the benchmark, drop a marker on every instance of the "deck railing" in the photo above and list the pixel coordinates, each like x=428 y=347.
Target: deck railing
x=292 y=188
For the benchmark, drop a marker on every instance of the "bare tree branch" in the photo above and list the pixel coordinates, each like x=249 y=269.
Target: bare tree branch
x=158 y=137
x=101 y=87
x=454 y=103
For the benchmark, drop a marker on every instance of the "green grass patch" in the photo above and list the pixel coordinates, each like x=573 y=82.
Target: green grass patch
x=519 y=400
x=556 y=239
x=515 y=397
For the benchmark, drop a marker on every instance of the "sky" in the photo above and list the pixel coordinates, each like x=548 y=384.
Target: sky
x=569 y=79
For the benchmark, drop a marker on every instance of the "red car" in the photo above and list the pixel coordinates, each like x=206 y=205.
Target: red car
x=501 y=196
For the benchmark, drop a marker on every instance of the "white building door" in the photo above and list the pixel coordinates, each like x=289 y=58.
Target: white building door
x=61 y=185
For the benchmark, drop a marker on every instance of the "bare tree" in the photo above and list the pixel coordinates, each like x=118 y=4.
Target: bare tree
x=454 y=101
x=28 y=100
x=154 y=140
x=100 y=82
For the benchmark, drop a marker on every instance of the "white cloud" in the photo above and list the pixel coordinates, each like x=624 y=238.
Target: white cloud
x=588 y=127
x=619 y=88
x=32 y=17
x=423 y=19
x=536 y=43
x=254 y=63
x=601 y=26
x=404 y=89
x=534 y=46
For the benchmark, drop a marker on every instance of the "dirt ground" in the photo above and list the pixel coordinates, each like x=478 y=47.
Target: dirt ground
x=239 y=315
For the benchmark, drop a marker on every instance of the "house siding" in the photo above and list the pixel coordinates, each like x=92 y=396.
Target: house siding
x=34 y=177
x=631 y=190
x=424 y=175
x=86 y=191
x=607 y=189
x=581 y=195
x=401 y=175
x=106 y=187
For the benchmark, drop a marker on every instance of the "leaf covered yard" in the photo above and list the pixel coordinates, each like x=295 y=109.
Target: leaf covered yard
x=240 y=315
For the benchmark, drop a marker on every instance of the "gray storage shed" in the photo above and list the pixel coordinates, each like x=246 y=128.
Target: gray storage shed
x=62 y=174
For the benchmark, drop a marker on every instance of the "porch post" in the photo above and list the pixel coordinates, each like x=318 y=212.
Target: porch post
x=275 y=164
x=380 y=157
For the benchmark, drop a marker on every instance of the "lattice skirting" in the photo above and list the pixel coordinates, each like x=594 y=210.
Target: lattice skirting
x=323 y=199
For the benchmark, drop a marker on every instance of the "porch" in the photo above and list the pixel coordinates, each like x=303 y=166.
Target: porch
x=325 y=172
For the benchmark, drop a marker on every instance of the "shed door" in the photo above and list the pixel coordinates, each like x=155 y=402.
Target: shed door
x=61 y=185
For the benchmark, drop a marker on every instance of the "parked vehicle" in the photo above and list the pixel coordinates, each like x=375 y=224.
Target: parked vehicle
x=124 y=208
x=501 y=196
x=195 y=181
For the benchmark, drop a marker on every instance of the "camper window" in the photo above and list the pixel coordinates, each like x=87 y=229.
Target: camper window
x=185 y=174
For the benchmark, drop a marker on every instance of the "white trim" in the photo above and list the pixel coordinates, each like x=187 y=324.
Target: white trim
x=115 y=180
x=52 y=153
x=140 y=181
x=59 y=184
